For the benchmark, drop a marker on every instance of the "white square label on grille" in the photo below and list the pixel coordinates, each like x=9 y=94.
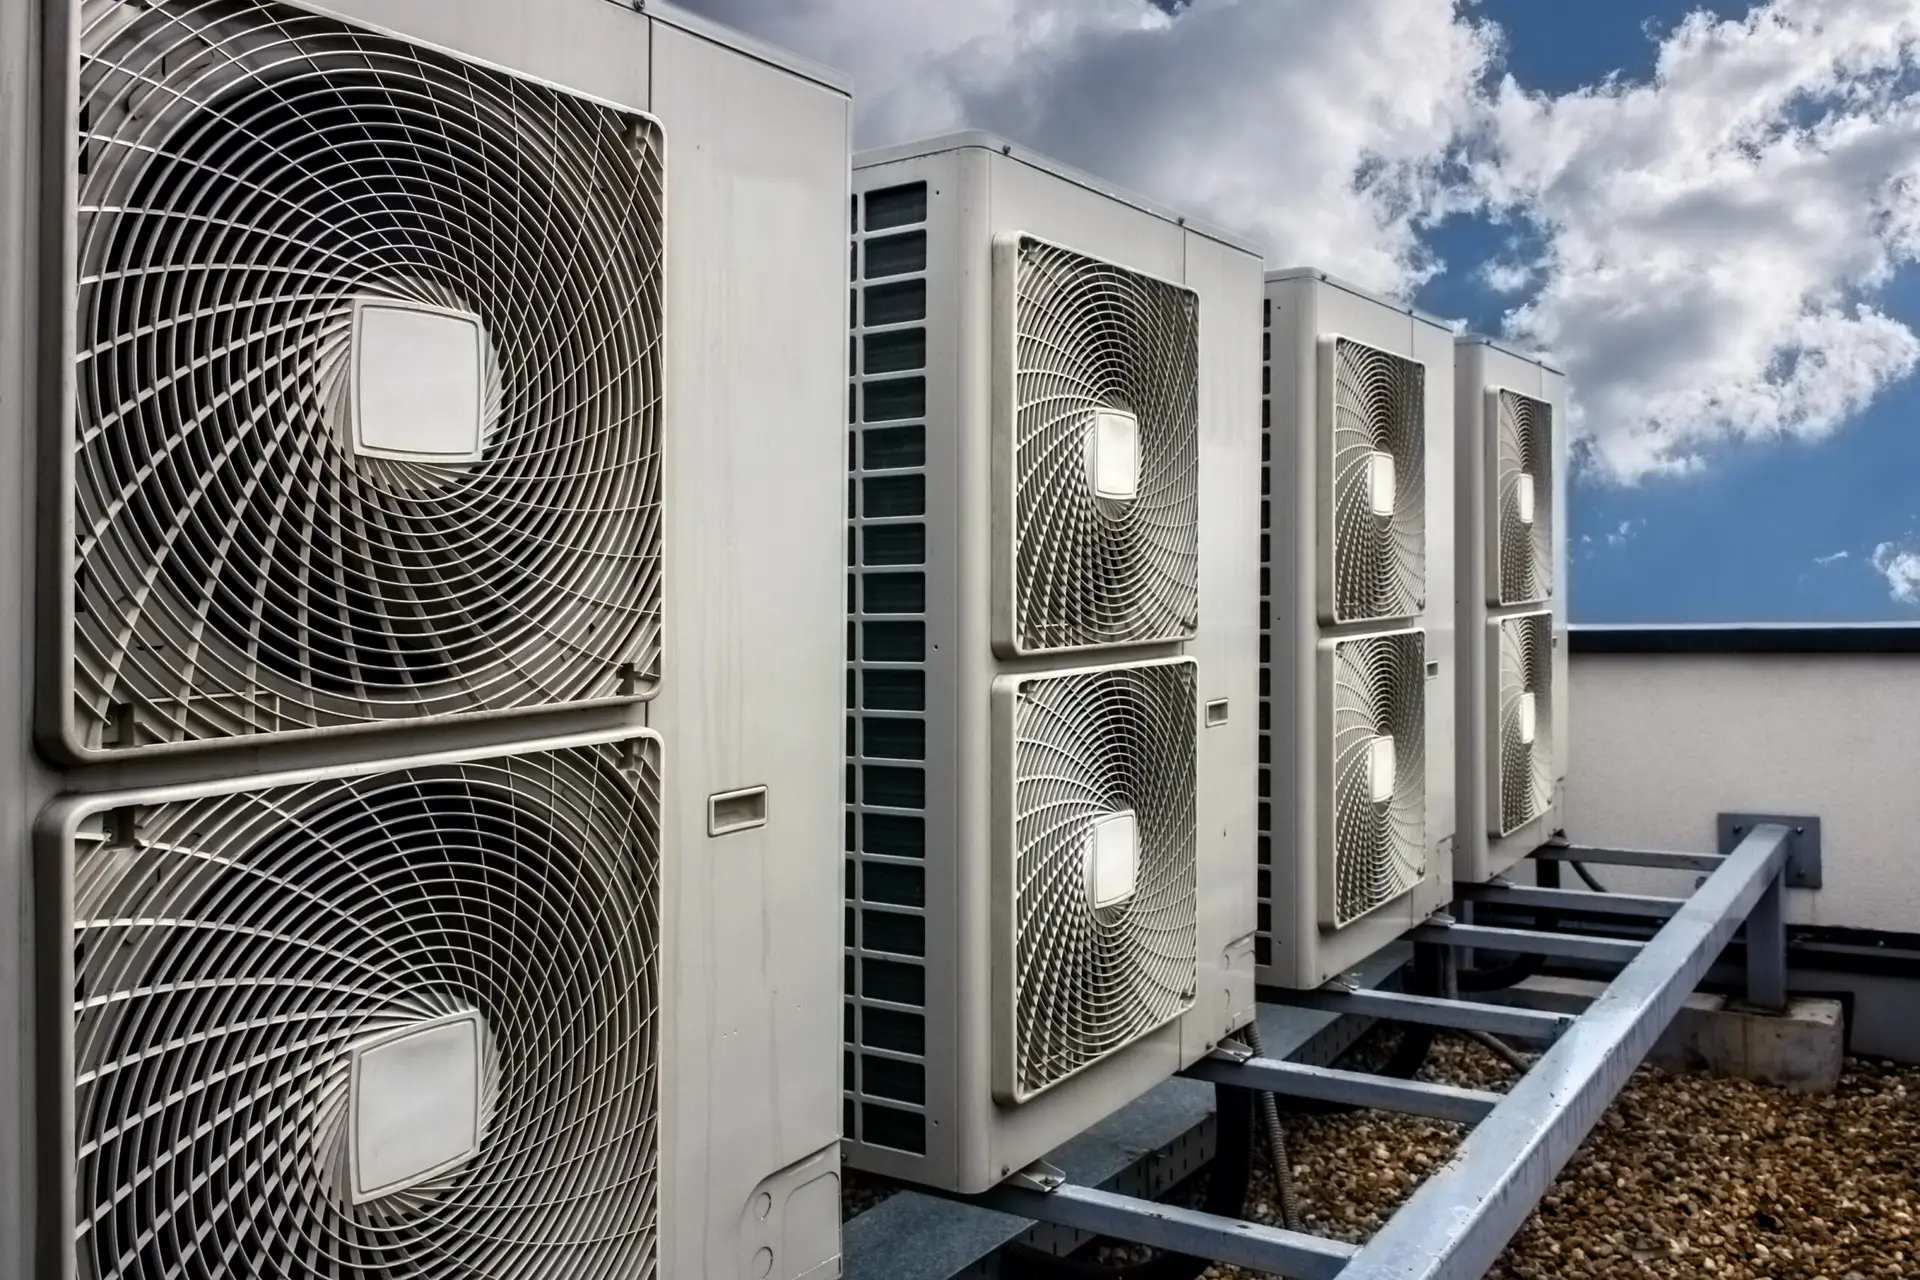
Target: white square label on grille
x=1113 y=858
x=413 y=1105
x=1529 y=718
x=1523 y=498
x=1382 y=765
x=417 y=390
x=1113 y=455
x=1380 y=484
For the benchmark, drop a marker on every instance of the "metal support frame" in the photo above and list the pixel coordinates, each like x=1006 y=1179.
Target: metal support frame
x=1571 y=946
x=1573 y=901
x=1431 y=1011
x=1458 y=1221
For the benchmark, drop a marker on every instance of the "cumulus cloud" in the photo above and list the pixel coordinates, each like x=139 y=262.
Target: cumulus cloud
x=1901 y=569
x=1711 y=238
x=1328 y=133
x=1702 y=251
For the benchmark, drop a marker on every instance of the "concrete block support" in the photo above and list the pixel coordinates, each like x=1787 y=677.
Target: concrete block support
x=1799 y=1050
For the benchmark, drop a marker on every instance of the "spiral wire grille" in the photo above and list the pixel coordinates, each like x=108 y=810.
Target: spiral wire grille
x=248 y=173
x=1092 y=571
x=230 y=953
x=1524 y=572
x=1091 y=980
x=1379 y=563
x=1378 y=687
x=1524 y=769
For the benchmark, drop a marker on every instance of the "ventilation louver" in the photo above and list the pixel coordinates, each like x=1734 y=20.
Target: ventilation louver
x=1100 y=876
x=1100 y=460
x=1374 y=807
x=1374 y=487
x=367 y=381
x=1522 y=687
x=1522 y=569
x=405 y=1024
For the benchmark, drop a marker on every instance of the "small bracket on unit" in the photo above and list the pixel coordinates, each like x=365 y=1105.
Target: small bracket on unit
x=1231 y=1051
x=1038 y=1176
x=1803 y=846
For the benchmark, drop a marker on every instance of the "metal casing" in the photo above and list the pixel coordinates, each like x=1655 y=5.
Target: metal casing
x=1298 y=945
x=1483 y=368
x=754 y=546
x=921 y=845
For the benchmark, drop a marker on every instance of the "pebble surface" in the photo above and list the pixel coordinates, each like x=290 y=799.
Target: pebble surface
x=1686 y=1178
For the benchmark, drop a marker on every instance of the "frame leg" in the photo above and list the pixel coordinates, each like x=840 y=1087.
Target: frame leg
x=1767 y=948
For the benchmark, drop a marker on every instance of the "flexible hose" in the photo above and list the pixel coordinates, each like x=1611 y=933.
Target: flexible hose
x=1580 y=869
x=1276 y=1143
x=1500 y=1049
x=1232 y=1175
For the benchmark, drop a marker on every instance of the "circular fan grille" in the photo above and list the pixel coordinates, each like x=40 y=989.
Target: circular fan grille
x=231 y=956
x=249 y=174
x=1379 y=464
x=1378 y=846
x=1524 y=547
x=1093 y=340
x=1091 y=979
x=1525 y=769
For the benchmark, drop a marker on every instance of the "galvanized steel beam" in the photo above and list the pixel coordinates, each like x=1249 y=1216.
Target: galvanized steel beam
x=1575 y=946
x=1349 y=1088
x=1572 y=901
x=1457 y=1223
x=1431 y=1011
x=1657 y=858
x=1164 y=1226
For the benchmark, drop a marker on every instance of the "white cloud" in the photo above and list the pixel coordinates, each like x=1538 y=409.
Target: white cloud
x=1321 y=130
x=1628 y=530
x=1712 y=237
x=1835 y=558
x=1701 y=251
x=1901 y=569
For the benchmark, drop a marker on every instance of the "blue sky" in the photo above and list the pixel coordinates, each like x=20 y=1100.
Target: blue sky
x=1768 y=531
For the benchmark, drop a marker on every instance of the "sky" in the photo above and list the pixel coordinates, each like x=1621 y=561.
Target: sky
x=1707 y=213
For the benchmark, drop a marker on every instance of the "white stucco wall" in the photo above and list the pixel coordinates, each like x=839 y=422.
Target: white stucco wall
x=1661 y=744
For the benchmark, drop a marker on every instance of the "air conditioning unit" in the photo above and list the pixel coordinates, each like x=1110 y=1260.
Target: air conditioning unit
x=1051 y=688
x=431 y=640
x=1357 y=648
x=1512 y=693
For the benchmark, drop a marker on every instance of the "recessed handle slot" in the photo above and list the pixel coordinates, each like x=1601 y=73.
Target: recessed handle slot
x=1217 y=712
x=732 y=811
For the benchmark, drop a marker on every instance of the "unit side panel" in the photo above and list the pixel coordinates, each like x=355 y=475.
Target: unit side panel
x=901 y=697
x=1227 y=646
x=1470 y=725
x=1287 y=812
x=32 y=359
x=756 y=544
x=588 y=46
x=1433 y=348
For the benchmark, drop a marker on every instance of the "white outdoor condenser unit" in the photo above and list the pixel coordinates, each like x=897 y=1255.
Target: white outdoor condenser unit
x=1357 y=652
x=1051 y=694
x=1513 y=605
x=419 y=428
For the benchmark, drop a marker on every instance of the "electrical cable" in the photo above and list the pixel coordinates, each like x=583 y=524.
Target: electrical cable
x=1276 y=1143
